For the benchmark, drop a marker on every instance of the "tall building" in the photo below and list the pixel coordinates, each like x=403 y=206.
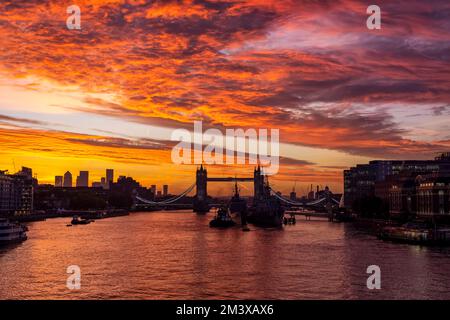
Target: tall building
x=165 y=190
x=311 y=193
x=109 y=178
x=16 y=192
x=6 y=193
x=58 y=181
x=153 y=190
x=67 y=183
x=83 y=179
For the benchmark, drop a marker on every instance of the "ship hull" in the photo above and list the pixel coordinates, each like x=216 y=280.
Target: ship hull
x=267 y=219
x=4 y=242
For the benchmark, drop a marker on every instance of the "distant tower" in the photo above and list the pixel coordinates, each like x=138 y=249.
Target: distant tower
x=109 y=177
x=67 y=180
x=165 y=190
x=153 y=190
x=83 y=179
x=58 y=181
x=293 y=195
x=311 y=193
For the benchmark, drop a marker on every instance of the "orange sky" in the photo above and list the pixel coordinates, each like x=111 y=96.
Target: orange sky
x=110 y=94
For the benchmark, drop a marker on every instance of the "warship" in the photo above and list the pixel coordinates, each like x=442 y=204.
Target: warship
x=266 y=210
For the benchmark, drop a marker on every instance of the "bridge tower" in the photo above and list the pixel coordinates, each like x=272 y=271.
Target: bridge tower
x=201 y=197
x=258 y=184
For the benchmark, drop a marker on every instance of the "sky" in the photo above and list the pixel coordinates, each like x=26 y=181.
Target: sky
x=110 y=95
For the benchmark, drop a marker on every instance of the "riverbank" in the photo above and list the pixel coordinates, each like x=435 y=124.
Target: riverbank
x=85 y=214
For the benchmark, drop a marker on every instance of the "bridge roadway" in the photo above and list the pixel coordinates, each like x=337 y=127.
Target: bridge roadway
x=229 y=179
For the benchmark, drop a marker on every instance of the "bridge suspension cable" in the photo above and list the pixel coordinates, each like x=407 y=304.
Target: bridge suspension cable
x=167 y=201
x=288 y=201
x=295 y=203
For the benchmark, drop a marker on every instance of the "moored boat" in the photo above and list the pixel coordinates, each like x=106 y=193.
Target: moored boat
x=11 y=232
x=416 y=234
x=267 y=213
x=266 y=210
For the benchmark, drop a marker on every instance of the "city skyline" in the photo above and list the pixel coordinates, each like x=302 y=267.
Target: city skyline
x=340 y=94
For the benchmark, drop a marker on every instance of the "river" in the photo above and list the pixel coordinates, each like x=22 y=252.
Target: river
x=175 y=255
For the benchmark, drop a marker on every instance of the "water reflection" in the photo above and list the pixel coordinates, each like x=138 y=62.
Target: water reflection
x=170 y=255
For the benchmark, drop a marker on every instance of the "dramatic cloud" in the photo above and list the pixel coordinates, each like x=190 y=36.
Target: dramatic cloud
x=310 y=68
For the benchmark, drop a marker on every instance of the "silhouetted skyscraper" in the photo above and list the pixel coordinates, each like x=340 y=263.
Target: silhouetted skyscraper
x=153 y=190
x=165 y=190
x=109 y=178
x=58 y=181
x=83 y=179
x=67 y=180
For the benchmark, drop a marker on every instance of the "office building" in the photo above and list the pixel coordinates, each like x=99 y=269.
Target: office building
x=377 y=177
x=109 y=178
x=16 y=192
x=58 y=181
x=83 y=179
x=165 y=190
x=67 y=183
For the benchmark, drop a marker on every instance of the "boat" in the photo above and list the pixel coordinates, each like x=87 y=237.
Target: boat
x=414 y=233
x=237 y=204
x=222 y=219
x=11 y=232
x=267 y=210
x=267 y=213
x=78 y=220
x=238 y=207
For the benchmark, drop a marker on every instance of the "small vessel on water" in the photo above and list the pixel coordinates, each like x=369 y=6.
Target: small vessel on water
x=414 y=233
x=11 y=232
x=222 y=219
x=78 y=220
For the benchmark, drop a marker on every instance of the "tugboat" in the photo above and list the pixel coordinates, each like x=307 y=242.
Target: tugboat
x=77 y=220
x=222 y=219
x=267 y=210
x=11 y=232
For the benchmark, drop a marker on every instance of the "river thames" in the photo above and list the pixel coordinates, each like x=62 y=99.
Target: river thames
x=175 y=255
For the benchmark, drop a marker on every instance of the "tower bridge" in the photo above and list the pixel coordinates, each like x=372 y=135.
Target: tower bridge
x=201 y=204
